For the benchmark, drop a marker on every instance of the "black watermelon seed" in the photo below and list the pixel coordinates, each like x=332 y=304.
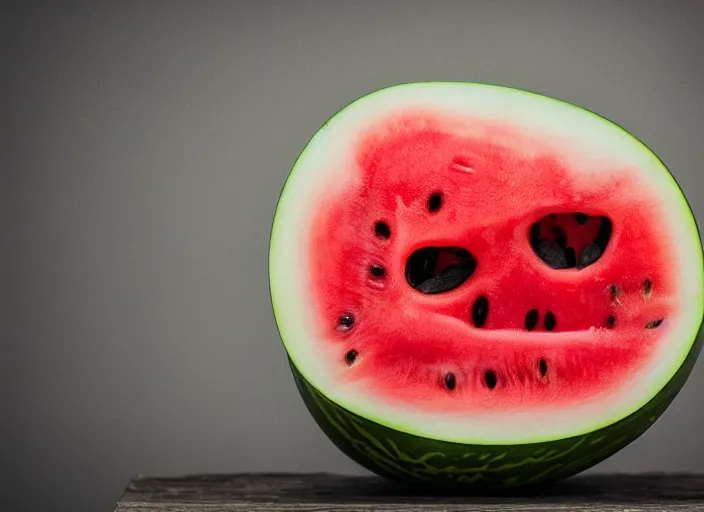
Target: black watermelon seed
x=351 y=356
x=449 y=279
x=581 y=218
x=377 y=270
x=532 y=318
x=420 y=267
x=382 y=230
x=434 y=202
x=535 y=234
x=543 y=367
x=654 y=324
x=570 y=257
x=550 y=321
x=590 y=254
x=480 y=310
x=560 y=237
x=490 y=379
x=604 y=234
x=610 y=321
x=345 y=322
x=450 y=381
x=647 y=287
x=613 y=290
x=551 y=254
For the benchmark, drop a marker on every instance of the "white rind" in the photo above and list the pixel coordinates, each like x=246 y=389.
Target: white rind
x=327 y=160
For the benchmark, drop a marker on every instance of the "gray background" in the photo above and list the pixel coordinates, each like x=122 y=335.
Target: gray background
x=146 y=146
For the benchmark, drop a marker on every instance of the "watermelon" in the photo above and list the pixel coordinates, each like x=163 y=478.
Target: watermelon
x=481 y=287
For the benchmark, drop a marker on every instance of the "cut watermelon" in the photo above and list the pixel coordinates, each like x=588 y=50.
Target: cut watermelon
x=482 y=286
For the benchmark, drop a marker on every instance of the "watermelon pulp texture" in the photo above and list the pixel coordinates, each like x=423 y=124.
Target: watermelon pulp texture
x=482 y=286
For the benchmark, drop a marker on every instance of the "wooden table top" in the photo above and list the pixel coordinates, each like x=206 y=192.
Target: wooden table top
x=330 y=492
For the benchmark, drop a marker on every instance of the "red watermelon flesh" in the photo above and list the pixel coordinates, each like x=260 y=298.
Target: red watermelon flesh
x=594 y=324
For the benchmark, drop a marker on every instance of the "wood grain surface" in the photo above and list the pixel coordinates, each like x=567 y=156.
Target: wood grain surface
x=336 y=493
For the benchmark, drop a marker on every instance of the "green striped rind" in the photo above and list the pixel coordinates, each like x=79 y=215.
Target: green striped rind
x=411 y=459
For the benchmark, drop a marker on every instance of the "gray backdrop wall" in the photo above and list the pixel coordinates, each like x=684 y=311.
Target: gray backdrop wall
x=146 y=146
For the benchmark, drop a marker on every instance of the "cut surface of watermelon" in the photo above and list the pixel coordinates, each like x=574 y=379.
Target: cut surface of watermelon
x=479 y=265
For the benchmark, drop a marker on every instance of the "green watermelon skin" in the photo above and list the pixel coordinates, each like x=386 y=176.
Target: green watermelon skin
x=424 y=462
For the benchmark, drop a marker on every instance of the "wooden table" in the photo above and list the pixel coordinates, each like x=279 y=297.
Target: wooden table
x=327 y=492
